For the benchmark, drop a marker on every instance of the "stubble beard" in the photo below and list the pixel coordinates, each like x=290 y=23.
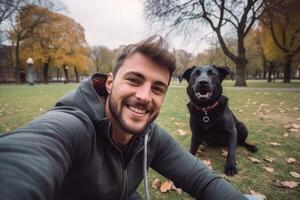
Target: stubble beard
x=117 y=115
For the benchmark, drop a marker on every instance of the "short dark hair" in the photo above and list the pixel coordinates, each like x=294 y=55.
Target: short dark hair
x=155 y=48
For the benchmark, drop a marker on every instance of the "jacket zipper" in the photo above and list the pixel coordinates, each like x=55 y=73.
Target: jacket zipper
x=124 y=171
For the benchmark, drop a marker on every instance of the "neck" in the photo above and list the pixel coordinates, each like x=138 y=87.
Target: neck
x=207 y=108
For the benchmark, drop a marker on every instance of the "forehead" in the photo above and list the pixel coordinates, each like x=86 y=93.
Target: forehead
x=205 y=69
x=138 y=63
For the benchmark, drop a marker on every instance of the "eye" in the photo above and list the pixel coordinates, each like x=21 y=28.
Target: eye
x=159 y=90
x=211 y=73
x=133 y=81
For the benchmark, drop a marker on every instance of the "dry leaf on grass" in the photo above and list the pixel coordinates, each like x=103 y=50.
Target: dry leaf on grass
x=224 y=153
x=269 y=159
x=287 y=184
x=295 y=174
x=177 y=123
x=269 y=169
x=181 y=132
x=166 y=186
x=178 y=190
x=156 y=184
x=294 y=130
x=290 y=160
x=258 y=195
x=275 y=144
x=254 y=160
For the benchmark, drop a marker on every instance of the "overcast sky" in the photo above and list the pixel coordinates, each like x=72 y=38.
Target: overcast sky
x=115 y=22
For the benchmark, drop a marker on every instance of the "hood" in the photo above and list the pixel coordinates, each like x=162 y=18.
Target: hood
x=90 y=97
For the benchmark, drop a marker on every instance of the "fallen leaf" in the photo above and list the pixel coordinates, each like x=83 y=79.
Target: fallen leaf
x=156 y=183
x=258 y=195
x=295 y=174
x=254 y=160
x=224 y=153
x=287 y=184
x=181 y=132
x=290 y=160
x=177 y=123
x=166 y=186
x=294 y=130
x=275 y=144
x=178 y=190
x=269 y=159
x=269 y=169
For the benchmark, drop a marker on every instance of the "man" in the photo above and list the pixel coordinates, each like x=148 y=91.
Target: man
x=99 y=140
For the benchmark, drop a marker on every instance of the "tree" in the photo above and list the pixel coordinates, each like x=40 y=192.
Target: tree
x=281 y=21
x=59 y=42
x=102 y=58
x=28 y=19
x=234 y=17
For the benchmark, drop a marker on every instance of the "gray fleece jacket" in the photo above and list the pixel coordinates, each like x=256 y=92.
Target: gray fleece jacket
x=67 y=154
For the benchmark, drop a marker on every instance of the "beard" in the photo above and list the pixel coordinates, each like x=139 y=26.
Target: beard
x=116 y=112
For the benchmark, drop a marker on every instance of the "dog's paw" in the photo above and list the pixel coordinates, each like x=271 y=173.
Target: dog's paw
x=252 y=148
x=231 y=171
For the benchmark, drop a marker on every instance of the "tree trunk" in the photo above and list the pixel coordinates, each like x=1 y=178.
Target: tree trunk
x=45 y=72
x=57 y=75
x=66 y=74
x=76 y=74
x=18 y=72
x=287 y=71
x=265 y=66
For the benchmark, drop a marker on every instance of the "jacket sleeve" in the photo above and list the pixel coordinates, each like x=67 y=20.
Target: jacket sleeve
x=189 y=173
x=35 y=159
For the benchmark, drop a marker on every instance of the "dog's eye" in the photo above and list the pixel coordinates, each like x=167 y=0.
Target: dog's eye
x=211 y=73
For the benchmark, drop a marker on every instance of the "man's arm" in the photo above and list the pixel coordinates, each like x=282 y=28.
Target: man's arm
x=189 y=173
x=35 y=159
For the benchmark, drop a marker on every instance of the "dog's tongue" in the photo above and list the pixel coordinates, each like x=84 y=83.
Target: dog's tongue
x=203 y=92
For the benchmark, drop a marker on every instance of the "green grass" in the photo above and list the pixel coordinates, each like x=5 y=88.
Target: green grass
x=20 y=104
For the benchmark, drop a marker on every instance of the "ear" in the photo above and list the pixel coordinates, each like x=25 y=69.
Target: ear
x=109 y=83
x=225 y=71
x=187 y=74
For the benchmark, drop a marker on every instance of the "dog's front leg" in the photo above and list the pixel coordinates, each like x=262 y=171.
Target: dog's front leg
x=230 y=168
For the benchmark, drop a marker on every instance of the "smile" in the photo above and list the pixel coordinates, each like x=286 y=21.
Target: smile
x=137 y=110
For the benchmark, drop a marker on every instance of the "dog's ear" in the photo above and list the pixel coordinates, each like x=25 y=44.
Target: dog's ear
x=225 y=71
x=187 y=74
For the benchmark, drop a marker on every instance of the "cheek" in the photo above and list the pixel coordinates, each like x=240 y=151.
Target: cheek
x=158 y=102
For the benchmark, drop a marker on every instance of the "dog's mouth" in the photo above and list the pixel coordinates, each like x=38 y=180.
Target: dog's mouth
x=203 y=95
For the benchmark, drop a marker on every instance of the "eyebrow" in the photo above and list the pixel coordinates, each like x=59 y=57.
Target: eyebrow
x=141 y=76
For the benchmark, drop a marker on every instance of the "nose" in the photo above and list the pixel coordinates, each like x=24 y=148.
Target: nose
x=143 y=93
x=203 y=82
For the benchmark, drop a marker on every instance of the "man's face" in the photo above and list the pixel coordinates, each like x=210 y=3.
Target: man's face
x=136 y=93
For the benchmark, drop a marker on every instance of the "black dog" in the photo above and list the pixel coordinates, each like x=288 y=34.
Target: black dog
x=211 y=120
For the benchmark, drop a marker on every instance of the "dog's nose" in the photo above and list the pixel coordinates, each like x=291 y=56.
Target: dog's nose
x=202 y=82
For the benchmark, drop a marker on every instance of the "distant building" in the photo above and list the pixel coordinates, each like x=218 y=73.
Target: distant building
x=7 y=72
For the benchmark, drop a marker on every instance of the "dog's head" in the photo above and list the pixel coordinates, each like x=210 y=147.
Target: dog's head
x=204 y=83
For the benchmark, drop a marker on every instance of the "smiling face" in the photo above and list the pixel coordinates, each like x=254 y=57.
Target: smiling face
x=136 y=94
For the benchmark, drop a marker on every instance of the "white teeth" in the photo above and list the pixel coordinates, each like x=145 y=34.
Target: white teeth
x=207 y=95
x=137 y=110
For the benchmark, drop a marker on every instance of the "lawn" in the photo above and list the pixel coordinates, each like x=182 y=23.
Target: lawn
x=271 y=115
